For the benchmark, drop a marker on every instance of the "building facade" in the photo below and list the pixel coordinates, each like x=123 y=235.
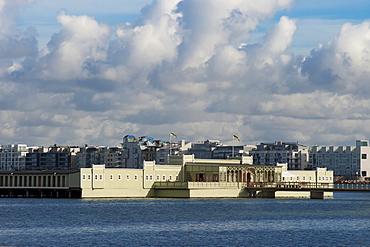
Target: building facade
x=348 y=161
x=214 y=149
x=89 y=155
x=13 y=157
x=293 y=154
x=184 y=177
x=53 y=157
x=136 y=150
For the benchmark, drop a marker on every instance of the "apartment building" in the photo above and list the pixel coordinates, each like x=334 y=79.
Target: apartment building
x=90 y=155
x=13 y=156
x=293 y=154
x=348 y=161
x=53 y=157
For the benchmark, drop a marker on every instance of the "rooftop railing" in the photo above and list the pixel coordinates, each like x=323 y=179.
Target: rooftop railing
x=193 y=184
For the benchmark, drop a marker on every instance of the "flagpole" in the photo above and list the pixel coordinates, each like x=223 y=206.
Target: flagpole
x=233 y=147
x=170 y=144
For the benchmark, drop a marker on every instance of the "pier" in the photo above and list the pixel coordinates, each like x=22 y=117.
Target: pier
x=40 y=184
x=267 y=190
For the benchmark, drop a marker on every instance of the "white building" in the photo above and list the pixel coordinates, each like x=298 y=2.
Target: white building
x=13 y=157
x=349 y=161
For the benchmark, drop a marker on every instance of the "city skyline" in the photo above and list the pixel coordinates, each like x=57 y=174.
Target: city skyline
x=75 y=73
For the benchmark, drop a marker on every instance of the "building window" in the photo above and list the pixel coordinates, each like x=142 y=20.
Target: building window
x=363 y=156
x=151 y=177
x=297 y=178
x=158 y=178
x=96 y=177
x=127 y=177
x=304 y=178
x=310 y=178
x=101 y=177
x=177 y=178
x=170 y=179
x=84 y=177
x=319 y=178
x=164 y=178
x=119 y=177
x=327 y=178
x=135 y=177
x=146 y=178
x=88 y=177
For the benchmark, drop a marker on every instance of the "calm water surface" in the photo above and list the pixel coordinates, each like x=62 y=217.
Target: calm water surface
x=342 y=221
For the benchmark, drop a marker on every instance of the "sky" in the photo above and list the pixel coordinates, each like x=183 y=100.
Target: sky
x=92 y=71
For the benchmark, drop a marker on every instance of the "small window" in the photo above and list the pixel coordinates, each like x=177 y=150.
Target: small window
x=297 y=178
x=177 y=178
x=310 y=178
x=146 y=178
x=164 y=178
x=88 y=177
x=151 y=177
x=291 y=178
x=158 y=178
x=84 y=177
x=127 y=177
x=364 y=156
x=304 y=178
x=101 y=177
x=119 y=177
x=111 y=177
x=135 y=177
x=96 y=177
x=327 y=178
x=170 y=179
x=319 y=178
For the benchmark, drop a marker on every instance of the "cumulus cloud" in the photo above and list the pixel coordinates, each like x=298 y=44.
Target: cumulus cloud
x=184 y=66
x=74 y=51
x=344 y=62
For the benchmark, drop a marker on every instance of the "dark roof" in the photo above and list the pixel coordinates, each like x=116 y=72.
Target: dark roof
x=37 y=172
x=225 y=164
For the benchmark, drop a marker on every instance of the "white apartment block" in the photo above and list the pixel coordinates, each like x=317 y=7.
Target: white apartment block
x=349 y=161
x=13 y=157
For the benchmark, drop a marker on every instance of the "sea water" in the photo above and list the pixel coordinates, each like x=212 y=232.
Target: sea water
x=341 y=221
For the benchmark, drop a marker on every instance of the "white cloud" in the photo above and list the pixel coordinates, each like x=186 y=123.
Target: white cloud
x=187 y=66
x=343 y=64
x=80 y=42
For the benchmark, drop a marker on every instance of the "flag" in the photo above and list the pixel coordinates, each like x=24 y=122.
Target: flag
x=172 y=134
x=234 y=136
